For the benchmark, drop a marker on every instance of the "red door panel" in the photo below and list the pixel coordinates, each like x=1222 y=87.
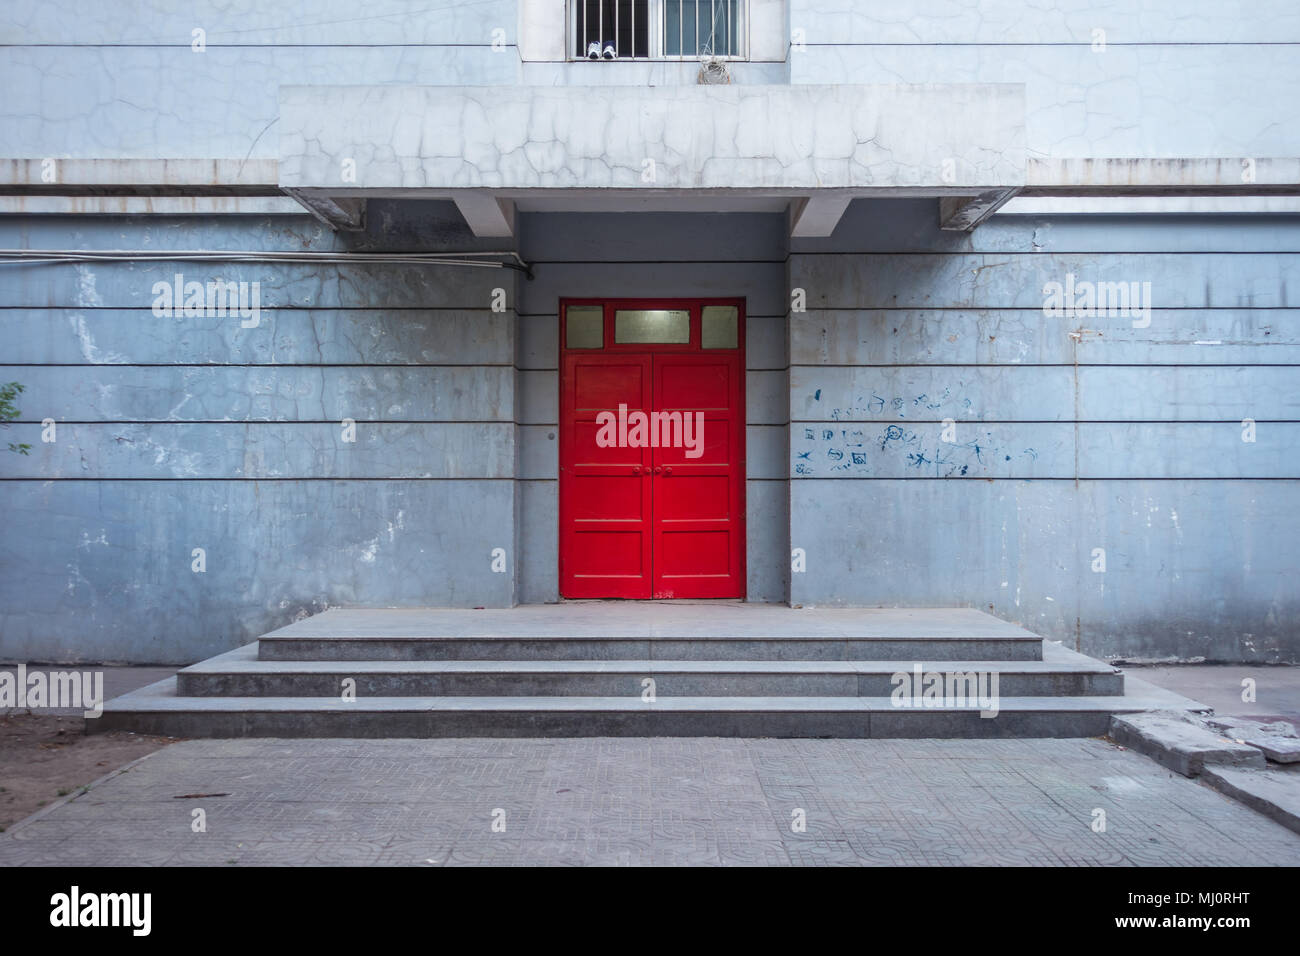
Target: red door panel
x=664 y=518
x=605 y=537
x=699 y=500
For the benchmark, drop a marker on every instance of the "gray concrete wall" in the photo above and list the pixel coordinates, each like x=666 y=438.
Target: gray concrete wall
x=176 y=433
x=1071 y=433
x=647 y=255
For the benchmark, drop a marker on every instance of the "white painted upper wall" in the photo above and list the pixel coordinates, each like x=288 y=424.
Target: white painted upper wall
x=1174 y=78
x=969 y=22
x=256 y=22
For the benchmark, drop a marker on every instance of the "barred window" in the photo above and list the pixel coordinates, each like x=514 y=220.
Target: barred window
x=653 y=29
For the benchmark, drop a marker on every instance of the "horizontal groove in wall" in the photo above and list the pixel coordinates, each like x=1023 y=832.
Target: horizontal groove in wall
x=1040 y=421
x=333 y=422
x=519 y=368
x=252 y=480
x=1035 y=308
x=332 y=309
x=990 y=478
x=975 y=365
x=791 y=479
x=1038 y=253
x=284 y=365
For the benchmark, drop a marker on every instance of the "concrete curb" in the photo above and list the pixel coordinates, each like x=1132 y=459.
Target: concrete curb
x=1174 y=741
x=1237 y=769
x=1276 y=794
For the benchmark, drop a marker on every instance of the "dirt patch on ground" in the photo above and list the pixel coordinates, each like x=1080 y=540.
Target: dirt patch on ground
x=44 y=757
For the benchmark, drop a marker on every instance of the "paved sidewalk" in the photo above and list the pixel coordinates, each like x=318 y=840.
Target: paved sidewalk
x=648 y=801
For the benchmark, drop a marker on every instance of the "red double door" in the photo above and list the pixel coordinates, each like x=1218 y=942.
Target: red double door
x=652 y=473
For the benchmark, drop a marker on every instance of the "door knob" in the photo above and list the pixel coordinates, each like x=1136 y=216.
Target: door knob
x=658 y=469
x=668 y=470
x=636 y=469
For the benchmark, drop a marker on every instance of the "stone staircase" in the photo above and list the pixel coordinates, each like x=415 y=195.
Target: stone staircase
x=586 y=669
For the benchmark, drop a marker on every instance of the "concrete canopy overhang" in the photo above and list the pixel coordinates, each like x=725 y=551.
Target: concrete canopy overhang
x=807 y=149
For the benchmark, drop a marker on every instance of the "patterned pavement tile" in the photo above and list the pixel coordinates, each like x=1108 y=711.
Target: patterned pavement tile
x=632 y=802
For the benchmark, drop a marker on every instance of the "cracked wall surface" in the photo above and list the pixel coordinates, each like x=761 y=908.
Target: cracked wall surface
x=1069 y=433
x=697 y=137
x=178 y=432
x=1101 y=77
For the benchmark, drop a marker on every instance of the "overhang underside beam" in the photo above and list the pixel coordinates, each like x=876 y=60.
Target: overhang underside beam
x=817 y=216
x=340 y=213
x=486 y=215
x=964 y=213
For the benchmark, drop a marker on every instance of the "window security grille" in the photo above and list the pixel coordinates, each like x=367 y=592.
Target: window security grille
x=651 y=29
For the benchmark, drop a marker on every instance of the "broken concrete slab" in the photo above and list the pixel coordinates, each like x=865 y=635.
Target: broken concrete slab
x=1250 y=727
x=1174 y=741
x=1276 y=740
x=1277 y=749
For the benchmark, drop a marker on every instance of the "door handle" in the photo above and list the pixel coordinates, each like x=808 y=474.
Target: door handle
x=658 y=469
x=668 y=470
x=636 y=469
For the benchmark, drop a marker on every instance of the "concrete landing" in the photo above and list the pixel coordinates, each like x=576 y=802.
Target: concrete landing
x=644 y=619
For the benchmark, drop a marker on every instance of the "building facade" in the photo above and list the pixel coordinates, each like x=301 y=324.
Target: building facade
x=978 y=303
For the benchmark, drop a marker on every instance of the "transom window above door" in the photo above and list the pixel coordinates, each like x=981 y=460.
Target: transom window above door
x=657 y=29
x=671 y=324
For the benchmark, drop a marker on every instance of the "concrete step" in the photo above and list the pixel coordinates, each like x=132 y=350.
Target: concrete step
x=578 y=670
x=241 y=673
x=484 y=648
x=599 y=631
x=158 y=710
